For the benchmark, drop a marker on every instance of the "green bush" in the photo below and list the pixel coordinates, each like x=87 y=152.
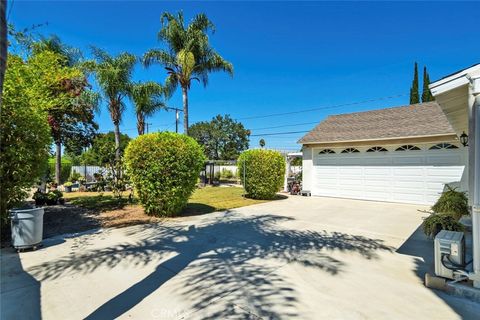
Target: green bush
x=164 y=168
x=226 y=174
x=75 y=176
x=264 y=173
x=65 y=172
x=452 y=202
x=443 y=221
x=24 y=135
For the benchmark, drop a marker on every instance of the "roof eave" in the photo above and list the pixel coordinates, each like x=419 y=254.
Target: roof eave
x=454 y=81
x=447 y=135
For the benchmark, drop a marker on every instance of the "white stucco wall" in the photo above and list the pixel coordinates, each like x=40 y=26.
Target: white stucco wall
x=307 y=164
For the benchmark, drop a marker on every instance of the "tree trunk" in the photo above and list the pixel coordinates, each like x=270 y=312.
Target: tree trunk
x=58 y=162
x=3 y=44
x=185 y=110
x=117 y=141
x=140 y=123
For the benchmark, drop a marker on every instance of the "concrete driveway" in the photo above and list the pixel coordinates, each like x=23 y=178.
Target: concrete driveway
x=309 y=258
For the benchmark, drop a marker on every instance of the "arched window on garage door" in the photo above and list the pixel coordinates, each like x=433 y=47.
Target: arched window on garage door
x=326 y=151
x=350 y=150
x=443 y=145
x=407 y=147
x=377 y=149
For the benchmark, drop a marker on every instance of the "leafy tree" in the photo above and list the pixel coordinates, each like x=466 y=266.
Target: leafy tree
x=188 y=56
x=113 y=75
x=222 y=138
x=426 y=93
x=414 y=97
x=261 y=143
x=24 y=132
x=147 y=98
x=3 y=44
x=72 y=121
x=103 y=149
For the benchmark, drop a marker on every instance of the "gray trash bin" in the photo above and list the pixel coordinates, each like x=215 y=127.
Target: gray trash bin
x=27 y=227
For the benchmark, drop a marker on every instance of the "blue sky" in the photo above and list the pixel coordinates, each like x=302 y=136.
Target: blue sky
x=288 y=56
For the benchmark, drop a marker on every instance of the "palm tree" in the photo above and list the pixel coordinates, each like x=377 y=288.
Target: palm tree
x=188 y=55
x=113 y=75
x=147 y=98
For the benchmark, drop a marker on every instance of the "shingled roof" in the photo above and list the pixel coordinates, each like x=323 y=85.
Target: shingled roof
x=416 y=120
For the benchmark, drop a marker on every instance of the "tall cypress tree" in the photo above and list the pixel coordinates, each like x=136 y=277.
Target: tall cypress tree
x=414 y=96
x=426 y=93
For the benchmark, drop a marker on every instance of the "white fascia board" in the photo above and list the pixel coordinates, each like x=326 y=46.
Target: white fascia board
x=472 y=70
x=447 y=86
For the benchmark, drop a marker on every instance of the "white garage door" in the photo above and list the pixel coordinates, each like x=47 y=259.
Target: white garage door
x=412 y=176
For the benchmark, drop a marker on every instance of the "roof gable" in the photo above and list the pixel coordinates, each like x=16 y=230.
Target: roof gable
x=417 y=120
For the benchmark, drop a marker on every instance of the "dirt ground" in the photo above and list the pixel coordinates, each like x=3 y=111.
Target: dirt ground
x=69 y=218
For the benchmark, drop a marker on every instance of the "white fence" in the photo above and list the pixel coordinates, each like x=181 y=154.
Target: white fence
x=88 y=171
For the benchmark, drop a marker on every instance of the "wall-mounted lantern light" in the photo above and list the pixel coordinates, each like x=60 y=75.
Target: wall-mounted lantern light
x=464 y=139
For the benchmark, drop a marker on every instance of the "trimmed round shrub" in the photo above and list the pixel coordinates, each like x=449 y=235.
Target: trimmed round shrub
x=164 y=168
x=437 y=222
x=452 y=202
x=264 y=173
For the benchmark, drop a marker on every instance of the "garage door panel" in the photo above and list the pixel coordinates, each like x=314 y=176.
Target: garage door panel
x=409 y=184
x=350 y=171
x=410 y=176
x=444 y=171
x=377 y=171
x=377 y=183
x=350 y=182
x=407 y=172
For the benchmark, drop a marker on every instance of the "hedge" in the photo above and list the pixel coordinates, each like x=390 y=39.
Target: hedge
x=25 y=137
x=264 y=173
x=452 y=202
x=164 y=168
x=65 y=171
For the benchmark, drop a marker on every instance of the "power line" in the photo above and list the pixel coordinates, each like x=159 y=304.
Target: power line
x=277 y=133
x=322 y=108
x=286 y=125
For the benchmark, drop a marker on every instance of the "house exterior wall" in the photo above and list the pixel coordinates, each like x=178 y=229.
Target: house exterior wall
x=310 y=156
x=307 y=167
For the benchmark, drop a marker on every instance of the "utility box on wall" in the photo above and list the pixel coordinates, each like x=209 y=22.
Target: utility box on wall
x=449 y=252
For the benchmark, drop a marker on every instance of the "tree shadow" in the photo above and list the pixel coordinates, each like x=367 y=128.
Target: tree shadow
x=419 y=246
x=224 y=261
x=19 y=290
x=196 y=209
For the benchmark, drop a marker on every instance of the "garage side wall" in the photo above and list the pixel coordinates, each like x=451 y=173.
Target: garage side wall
x=307 y=164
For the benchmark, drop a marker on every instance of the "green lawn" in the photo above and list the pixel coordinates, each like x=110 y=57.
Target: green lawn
x=204 y=200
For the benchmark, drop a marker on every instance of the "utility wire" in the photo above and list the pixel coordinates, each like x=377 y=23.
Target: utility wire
x=277 y=133
x=286 y=125
x=322 y=108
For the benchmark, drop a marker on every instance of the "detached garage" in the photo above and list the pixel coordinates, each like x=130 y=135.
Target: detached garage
x=403 y=154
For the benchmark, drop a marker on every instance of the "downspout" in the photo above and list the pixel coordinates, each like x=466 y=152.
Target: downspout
x=474 y=142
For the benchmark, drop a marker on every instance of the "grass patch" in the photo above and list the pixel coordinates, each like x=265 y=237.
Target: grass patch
x=204 y=200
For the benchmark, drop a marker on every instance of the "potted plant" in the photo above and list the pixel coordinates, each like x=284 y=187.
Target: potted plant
x=67 y=187
x=40 y=198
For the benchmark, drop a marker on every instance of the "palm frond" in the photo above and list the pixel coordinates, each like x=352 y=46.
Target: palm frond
x=158 y=56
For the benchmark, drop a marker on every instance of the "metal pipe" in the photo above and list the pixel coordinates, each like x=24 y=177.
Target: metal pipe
x=474 y=104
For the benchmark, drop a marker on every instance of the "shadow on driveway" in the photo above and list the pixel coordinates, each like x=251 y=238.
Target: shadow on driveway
x=220 y=259
x=20 y=292
x=420 y=246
